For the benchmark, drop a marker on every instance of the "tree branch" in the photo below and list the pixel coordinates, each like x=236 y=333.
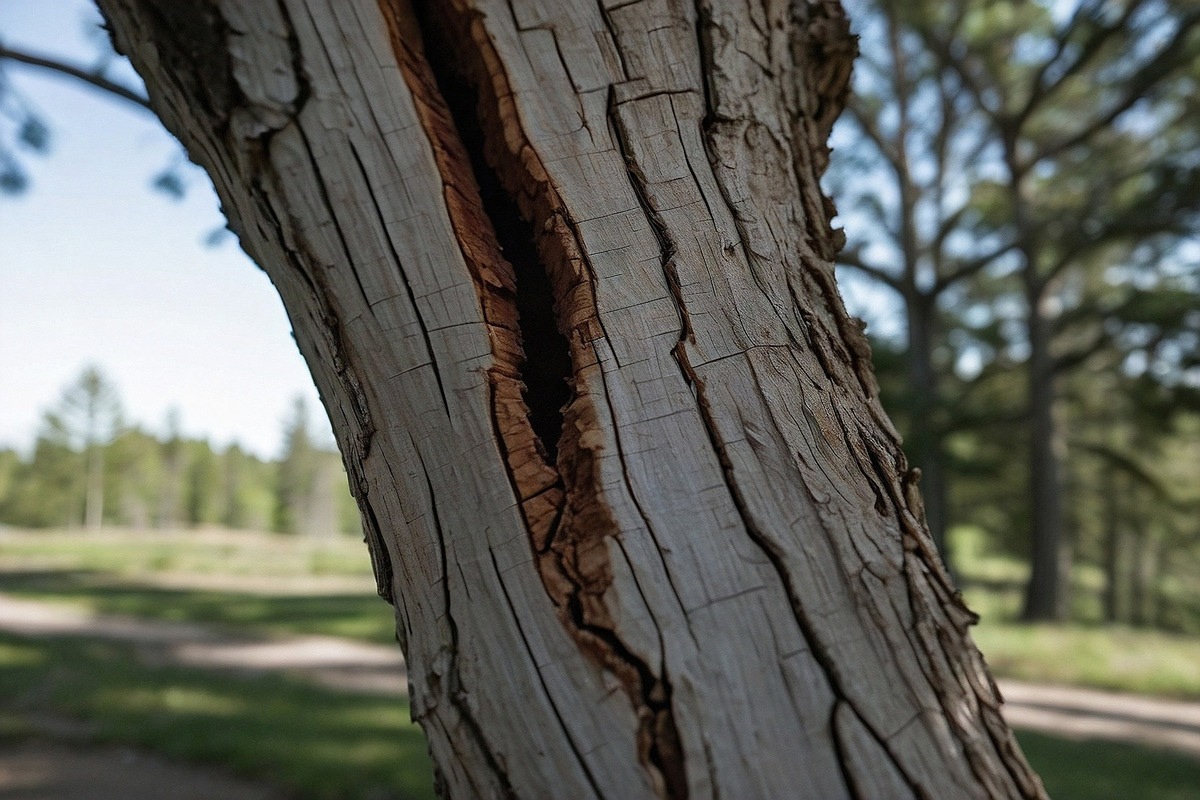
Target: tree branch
x=1171 y=56
x=852 y=259
x=1090 y=47
x=1071 y=359
x=866 y=123
x=970 y=268
x=946 y=58
x=93 y=79
x=1116 y=232
x=1131 y=466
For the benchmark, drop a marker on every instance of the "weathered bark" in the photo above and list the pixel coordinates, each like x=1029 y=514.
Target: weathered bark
x=708 y=576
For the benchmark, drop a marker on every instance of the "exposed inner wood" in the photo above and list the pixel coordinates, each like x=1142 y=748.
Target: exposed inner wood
x=536 y=293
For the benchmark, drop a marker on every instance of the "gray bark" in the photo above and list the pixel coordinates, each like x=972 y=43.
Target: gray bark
x=708 y=575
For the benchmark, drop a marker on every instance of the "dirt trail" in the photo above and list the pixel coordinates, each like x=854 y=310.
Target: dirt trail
x=1092 y=714
x=347 y=665
x=342 y=664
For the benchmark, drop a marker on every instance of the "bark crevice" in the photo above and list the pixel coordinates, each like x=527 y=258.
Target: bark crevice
x=835 y=341
x=404 y=279
x=536 y=291
x=819 y=649
x=579 y=756
x=546 y=367
x=455 y=690
x=944 y=620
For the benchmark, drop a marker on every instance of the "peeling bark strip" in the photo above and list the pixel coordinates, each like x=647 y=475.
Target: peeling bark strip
x=708 y=574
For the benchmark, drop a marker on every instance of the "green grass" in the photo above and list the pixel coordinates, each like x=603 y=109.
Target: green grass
x=317 y=744
x=1118 y=659
x=1098 y=770
x=358 y=616
x=1078 y=654
x=206 y=552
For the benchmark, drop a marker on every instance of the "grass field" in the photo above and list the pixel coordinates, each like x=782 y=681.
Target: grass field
x=1098 y=770
x=1117 y=658
x=318 y=744
x=362 y=615
x=327 y=745
x=190 y=552
x=117 y=572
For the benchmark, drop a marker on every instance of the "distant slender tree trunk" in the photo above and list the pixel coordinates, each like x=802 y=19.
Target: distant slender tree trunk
x=688 y=560
x=1156 y=554
x=921 y=307
x=1049 y=556
x=1144 y=571
x=321 y=520
x=1137 y=588
x=925 y=440
x=1112 y=545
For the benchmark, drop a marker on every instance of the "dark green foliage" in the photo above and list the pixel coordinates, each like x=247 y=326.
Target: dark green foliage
x=170 y=182
x=307 y=476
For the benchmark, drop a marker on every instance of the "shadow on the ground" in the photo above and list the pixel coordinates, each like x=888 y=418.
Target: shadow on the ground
x=1097 y=770
x=265 y=726
x=355 y=615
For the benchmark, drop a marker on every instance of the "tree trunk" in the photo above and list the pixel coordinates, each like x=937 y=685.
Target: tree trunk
x=707 y=574
x=1112 y=545
x=1045 y=595
x=925 y=438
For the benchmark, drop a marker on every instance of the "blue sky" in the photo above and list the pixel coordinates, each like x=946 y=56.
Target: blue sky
x=98 y=267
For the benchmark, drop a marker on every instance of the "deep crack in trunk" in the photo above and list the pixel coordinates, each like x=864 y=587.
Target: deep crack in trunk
x=536 y=291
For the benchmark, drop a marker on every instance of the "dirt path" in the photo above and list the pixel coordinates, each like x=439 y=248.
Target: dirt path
x=60 y=763
x=334 y=663
x=1091 y=714
x=347 y=665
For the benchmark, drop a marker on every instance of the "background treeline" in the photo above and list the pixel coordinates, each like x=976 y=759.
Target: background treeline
x=89 y=468
x=1020 y=185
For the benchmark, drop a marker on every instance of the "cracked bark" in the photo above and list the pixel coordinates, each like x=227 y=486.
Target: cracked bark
x=562 y=273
